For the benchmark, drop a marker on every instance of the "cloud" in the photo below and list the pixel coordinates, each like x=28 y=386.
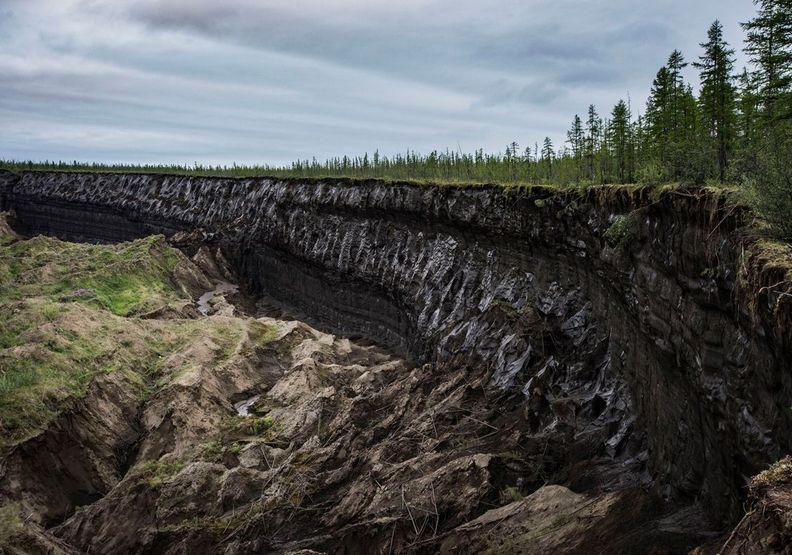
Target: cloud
x=270 y=81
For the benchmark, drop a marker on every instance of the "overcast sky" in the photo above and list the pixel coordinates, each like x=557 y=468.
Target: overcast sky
x=268 y=81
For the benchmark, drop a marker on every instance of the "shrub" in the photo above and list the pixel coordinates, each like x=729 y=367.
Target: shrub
x=771 y=187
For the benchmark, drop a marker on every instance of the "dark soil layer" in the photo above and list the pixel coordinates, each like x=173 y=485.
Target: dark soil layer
x=597 y=370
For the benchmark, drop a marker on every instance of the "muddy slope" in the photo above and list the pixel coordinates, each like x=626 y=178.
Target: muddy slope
x=643 y=328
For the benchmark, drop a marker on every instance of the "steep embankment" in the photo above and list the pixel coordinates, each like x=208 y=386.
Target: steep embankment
x=649 y=338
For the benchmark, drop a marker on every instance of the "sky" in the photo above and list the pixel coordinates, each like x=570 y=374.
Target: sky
x=271 y=81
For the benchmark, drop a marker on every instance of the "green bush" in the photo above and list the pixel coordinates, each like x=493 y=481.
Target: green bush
x=771 y=188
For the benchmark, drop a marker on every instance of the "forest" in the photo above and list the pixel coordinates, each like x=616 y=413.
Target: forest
x=736 y=130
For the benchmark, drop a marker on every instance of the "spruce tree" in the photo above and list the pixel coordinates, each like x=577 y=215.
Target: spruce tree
x=593 y=130
x=620 y=139
x=676 y=63
x=658 y=114
x=717 y=96
x=769 y=47
x=576 y=140
x=547 y=156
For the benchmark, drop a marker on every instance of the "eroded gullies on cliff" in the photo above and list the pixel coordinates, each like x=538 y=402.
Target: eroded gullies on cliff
x=570 y=370
x=159 y=428
x=106 y=380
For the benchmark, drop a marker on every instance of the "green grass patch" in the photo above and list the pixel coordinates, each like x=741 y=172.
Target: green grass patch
x=124 y=279
x=262 y=334
x=250 y=425
x=10 y=522
x=66 y=319
x=511 y=494
x=156 y=472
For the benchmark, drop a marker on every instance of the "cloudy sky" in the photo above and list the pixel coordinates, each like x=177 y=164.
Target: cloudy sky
x=268 y=81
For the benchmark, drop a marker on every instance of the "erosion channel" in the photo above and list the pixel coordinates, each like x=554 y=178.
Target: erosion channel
x=406 y=368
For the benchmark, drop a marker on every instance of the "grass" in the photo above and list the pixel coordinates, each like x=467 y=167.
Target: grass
x=765 y=272
x=53 y=340
x=157 y=472
x=125 y=279
x=779 y=473
x=445 y=168
x=10 y=522
x=250 y=425
x=511 y=494
x=69 y=314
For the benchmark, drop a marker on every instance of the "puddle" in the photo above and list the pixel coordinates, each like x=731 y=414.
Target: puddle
x=243 y=407
x=223 y=287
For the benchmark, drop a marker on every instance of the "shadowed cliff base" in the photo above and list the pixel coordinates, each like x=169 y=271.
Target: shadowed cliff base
x=584 y=361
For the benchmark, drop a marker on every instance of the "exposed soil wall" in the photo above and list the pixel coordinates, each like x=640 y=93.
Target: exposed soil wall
x=648 y=319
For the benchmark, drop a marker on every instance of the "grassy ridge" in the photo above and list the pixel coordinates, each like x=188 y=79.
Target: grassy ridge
x=443 y=169
x=69 y=314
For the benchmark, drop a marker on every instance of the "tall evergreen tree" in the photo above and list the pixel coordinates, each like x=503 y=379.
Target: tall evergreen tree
x=548 y=153
x=593 y=130
x=658 y=114
x=620 y=139
x=676 y=63
x=769 y=46
x=717 y=95
x=576 y=140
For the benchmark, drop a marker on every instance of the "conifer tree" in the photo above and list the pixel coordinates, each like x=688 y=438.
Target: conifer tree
x=748 y=113
x=576 y=139
x=548 y=153
x=593 y=129
x=717 y=95
x=769 y=47
x=620 y=139
x=676 y=63
x=658 y=114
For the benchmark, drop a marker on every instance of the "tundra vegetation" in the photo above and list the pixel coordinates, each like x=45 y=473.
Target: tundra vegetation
x=74 y=311
x=736 y=130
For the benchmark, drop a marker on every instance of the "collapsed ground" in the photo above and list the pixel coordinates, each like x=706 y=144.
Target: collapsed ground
x=132 y=422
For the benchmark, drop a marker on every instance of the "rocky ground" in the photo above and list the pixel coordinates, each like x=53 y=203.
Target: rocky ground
x=133 y=422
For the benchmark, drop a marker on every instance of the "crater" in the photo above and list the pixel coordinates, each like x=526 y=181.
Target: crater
x=549 y=364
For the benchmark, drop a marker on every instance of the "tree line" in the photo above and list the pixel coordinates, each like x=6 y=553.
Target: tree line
x=737 y=129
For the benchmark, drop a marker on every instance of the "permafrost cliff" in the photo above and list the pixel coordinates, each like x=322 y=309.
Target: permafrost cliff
x=639 y=338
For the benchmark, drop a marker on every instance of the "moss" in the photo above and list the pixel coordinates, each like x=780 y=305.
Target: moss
x=765 y=269
x=10 y=522
x=624 y=230
x=212 y=450
x=779 y=473
x=6 y=240
x=511 y=494
x=262 y=334
x=124 y=279
x=67 y=317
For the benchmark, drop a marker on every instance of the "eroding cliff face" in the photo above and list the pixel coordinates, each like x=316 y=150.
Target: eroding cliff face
x=621 y=318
